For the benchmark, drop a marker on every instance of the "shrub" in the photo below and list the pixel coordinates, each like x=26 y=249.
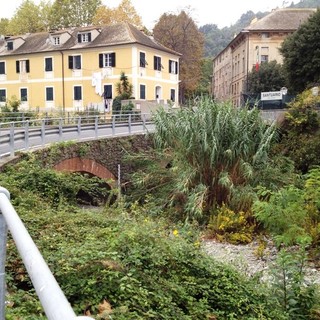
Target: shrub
x=141 y=267
x=300 y=132
x=227 y=225
x=291 y=214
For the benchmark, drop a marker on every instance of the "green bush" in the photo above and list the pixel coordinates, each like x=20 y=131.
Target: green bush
x=300 y=132
x=141 y=267
x=291 y=214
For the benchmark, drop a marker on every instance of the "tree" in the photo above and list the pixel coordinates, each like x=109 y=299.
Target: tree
x=180 y=33
x=268 y=77
x=27 y=18
x=73 y=13
x=125 y=12
x=124 y=90
x=4 y=26
x=206 y=76
x=301 y=55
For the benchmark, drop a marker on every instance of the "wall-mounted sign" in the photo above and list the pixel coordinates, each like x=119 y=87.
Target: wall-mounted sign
x=272 y=95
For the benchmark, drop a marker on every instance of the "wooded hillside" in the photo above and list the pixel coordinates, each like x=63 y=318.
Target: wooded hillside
x=217 y=39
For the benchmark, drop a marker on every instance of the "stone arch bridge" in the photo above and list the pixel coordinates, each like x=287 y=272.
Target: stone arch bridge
x=101 y=157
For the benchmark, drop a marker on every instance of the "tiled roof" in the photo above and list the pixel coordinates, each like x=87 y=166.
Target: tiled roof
x=112 y=35
x=282 y=19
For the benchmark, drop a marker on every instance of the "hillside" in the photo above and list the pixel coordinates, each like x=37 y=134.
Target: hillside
x=217 y=39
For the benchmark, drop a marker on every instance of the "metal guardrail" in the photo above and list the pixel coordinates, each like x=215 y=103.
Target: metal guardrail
x=23 y=135
x=53 y=300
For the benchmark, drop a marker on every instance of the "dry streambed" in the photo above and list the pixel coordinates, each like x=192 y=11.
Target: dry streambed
x=246 y=260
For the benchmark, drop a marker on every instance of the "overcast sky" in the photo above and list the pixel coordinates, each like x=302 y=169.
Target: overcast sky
x=220 y=12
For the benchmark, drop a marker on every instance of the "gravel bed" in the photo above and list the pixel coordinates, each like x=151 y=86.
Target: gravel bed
x=244 y=258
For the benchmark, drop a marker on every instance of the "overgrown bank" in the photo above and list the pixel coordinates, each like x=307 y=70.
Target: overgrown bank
x=142 y=258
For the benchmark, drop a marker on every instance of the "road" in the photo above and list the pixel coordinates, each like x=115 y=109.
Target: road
x=15 y=139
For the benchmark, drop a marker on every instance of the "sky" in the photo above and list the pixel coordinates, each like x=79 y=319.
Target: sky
x=223 y=13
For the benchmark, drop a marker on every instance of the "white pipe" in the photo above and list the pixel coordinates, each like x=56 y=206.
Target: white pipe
x=53 y=300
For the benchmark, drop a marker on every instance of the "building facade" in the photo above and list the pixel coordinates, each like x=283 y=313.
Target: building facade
x=255 y=44
x=78 y=68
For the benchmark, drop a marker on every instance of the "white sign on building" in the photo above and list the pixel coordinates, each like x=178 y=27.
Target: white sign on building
x=272 y=95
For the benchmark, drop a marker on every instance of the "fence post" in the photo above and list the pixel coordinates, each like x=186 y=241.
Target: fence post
x=79 y=127
x=96 y=126
x=60 y=129
x=113 y=124
x=26 y=135
x=12 y=139
x=43 y=131
x=129 y=122
x=144 y=121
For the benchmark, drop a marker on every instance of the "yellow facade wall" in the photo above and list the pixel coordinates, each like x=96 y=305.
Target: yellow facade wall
x=63 y=80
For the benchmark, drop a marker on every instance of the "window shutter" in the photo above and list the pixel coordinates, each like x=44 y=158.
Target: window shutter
x=70 y=59
x=48 y=64
x=79 y=37
x=155 y=63
x=27 y=66
x=177 y=65
x=89 y=37
x=100 y=60
x=170 y=69
x=18 y=66
x=113 y=59
x=2 y=68
x=142 y=59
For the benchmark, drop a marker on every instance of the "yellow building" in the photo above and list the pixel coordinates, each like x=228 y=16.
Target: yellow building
x=77 y=68
x=255 y=44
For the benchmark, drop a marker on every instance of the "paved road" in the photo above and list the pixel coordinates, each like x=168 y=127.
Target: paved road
x=23 y=139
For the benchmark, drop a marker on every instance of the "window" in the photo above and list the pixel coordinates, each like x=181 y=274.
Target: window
x=143 y=61
x=173 y=95
x=173 y=67
x=49 y=93
x=157 y=63
x=3 y=95
x=2 y=67
x=142 y=91
x=107 y=93
x=264 y=58
x=56 y=40
x=24 y=94
x=265 y=35
x=84 y=37
x=107 y=60
x=75 y=62
x=10 y=45
x=48 y=64
x=77 y=93
x=22 y=66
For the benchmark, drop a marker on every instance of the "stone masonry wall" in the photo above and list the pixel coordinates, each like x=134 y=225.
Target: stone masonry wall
x=108 y=152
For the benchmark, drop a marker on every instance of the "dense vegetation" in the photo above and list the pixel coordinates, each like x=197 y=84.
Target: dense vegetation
x=121 y=262
x=215 y=172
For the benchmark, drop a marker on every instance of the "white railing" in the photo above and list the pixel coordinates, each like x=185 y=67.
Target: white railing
x=23 y=135
x=53 y=300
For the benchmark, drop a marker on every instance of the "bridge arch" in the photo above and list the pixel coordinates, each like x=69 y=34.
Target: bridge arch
x=91 y=166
